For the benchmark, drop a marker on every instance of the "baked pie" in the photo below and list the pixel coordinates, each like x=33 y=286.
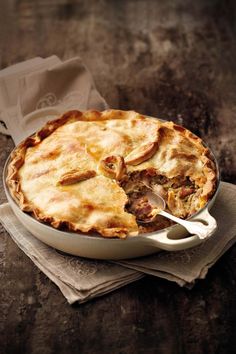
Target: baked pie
x=85 y=172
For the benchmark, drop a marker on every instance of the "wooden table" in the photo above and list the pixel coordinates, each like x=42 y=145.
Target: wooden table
x=170 y=59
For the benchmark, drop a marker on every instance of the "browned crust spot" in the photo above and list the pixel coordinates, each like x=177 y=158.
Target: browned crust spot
x=74 y=176
x=113 y=167
x=141 y=154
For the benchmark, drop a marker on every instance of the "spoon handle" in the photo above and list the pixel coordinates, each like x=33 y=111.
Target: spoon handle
x=193 y=227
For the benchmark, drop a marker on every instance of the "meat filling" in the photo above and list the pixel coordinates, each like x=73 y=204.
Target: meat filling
x=139 y=206
x=180 y=195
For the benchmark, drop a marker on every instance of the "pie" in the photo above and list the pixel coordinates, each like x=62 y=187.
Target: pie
x=89 y=172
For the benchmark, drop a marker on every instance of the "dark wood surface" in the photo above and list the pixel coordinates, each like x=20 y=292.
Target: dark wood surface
x=170 y=59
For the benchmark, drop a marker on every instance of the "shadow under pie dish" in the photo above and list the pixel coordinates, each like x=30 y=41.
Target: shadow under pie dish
x=83 y=172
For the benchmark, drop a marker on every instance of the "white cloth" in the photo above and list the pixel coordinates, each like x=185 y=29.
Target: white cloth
x=38 y=84
x=79 y=279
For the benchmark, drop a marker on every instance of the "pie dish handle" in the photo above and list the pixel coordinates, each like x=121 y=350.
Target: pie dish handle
x=177 y=239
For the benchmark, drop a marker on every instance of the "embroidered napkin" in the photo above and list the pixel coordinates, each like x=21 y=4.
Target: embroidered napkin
x=78 y=279
x=10 y=85
x=47 y=85
x=40 y=86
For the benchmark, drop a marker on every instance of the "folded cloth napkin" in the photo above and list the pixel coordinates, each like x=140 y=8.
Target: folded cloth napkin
x=9 y=88
x=40 y=84
x=44 y=83
x=79 y=279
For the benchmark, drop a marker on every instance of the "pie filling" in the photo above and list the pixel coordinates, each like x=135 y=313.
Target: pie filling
x=180 y=195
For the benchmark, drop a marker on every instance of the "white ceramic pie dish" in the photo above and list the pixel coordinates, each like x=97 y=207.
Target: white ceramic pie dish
x=174 y=238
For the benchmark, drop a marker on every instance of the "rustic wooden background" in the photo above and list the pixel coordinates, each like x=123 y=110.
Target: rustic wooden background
x=170 y=59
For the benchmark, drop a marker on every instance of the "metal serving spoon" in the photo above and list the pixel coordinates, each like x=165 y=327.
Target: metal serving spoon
x=193 y=227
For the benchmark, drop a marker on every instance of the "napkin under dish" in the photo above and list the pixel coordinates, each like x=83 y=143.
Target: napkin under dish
x=79 y=279
x=37 y=85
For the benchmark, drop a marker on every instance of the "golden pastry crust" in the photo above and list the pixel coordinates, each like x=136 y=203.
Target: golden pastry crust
x=75 y=172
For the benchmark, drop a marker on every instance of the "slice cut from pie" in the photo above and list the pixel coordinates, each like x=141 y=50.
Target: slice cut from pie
x=84 y=172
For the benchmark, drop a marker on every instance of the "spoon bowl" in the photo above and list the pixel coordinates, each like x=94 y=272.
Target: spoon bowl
x=158 y=203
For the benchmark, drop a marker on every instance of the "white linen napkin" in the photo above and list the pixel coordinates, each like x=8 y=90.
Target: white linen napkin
x=48 y=84
x=10 y=85
x=45 y=85
x=79 y=279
